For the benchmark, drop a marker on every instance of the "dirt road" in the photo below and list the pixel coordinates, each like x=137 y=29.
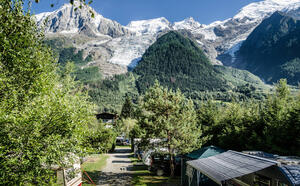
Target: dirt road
x=117 y=169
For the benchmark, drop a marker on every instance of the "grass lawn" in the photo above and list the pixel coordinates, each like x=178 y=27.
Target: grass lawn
x=93 y=166
x=123 y=147
x=143 y=177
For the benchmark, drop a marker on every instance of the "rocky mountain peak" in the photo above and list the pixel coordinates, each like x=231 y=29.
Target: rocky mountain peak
x=188 y=24
x=150 y=26
x=71 y=20
x=259 y=10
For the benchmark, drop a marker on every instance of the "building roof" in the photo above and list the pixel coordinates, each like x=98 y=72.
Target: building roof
x=229 y=165
x=204 y=152
x=106 y=116
x=292 y=172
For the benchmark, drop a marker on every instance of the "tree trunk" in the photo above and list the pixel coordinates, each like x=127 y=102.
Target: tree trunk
x=171 y=156
x=172 y=168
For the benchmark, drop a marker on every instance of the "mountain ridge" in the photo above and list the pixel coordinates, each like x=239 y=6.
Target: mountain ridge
x=272 y=50
x=124 y=45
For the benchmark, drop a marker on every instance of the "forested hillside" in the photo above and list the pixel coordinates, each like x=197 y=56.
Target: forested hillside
x=177 y=62
x=272 y=49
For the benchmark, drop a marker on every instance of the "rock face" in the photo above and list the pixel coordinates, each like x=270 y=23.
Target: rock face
x=227 y=36
x=110 y=42
x=69 y=20
x=272 y=50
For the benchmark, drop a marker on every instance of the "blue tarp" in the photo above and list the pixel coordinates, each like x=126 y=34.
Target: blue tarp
x=292 y=172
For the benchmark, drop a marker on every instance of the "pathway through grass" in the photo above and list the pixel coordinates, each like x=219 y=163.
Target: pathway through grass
x=93 y=167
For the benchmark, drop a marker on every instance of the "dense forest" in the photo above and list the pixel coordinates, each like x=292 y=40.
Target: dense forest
x=177 y=62
x=272 y=125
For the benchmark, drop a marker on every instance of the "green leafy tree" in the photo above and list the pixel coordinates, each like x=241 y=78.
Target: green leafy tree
x=170 y=117
x=100 y=139
x=43 y=117
x=271 y=125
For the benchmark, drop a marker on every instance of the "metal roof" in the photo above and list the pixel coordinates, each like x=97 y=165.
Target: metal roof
x=229 y=165
x=292 y=172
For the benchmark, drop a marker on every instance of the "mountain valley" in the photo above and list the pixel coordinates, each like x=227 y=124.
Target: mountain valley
x=113 y=50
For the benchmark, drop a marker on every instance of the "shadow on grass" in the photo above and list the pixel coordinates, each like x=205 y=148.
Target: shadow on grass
x=121 y=156
x=142 y=176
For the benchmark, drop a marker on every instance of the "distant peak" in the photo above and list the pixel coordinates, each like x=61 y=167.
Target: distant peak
x=283 y=1
x=191 y=19
x=188 y=23
x=159 y=19
x=258 y=10
x=150 y=26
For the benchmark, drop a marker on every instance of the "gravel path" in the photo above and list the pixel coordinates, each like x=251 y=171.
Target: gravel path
x=117 y=169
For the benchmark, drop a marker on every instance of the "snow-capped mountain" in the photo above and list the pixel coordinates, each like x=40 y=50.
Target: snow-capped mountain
x=261 y=9
x=188 y=24
x=111 y=42
x=68 y=20
x=151 y=26
x=293 y=11
x=248 y=18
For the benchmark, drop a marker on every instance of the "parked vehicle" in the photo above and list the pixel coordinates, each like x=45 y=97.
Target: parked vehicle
x=160 y=164
x=122 y=141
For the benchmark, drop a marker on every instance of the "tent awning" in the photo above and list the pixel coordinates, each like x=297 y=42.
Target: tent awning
x=229 y=165
x=292 y=172
x=204 y=152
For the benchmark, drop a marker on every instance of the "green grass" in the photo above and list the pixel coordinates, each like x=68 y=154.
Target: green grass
x=143 y=177
x=123 y=147
x=93 y=166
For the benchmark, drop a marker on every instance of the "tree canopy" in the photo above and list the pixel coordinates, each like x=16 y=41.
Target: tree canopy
x=171 y=118
x=43 y=117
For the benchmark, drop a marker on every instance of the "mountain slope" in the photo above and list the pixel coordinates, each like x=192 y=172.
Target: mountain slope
x=68 y=20
x=272 y=49
x=229 y=34
x=177 y=62
x=111 y=43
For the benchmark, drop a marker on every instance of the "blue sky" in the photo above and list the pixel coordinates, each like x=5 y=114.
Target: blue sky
x=123 y=11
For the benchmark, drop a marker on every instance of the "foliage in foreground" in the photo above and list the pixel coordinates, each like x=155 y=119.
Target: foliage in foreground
x=43 y=117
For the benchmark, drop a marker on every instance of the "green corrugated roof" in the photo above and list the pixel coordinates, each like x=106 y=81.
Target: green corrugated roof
x=204 y=152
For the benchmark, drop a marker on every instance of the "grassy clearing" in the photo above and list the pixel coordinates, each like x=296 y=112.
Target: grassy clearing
x=123 y=147
x=143 y=177
x=93 y=166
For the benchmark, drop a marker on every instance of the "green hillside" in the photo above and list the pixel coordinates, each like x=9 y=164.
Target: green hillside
x=177 y=62
x=272 y=50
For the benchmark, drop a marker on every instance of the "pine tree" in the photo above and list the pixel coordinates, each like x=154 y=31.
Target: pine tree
x=127 y=109
x=170 y=117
